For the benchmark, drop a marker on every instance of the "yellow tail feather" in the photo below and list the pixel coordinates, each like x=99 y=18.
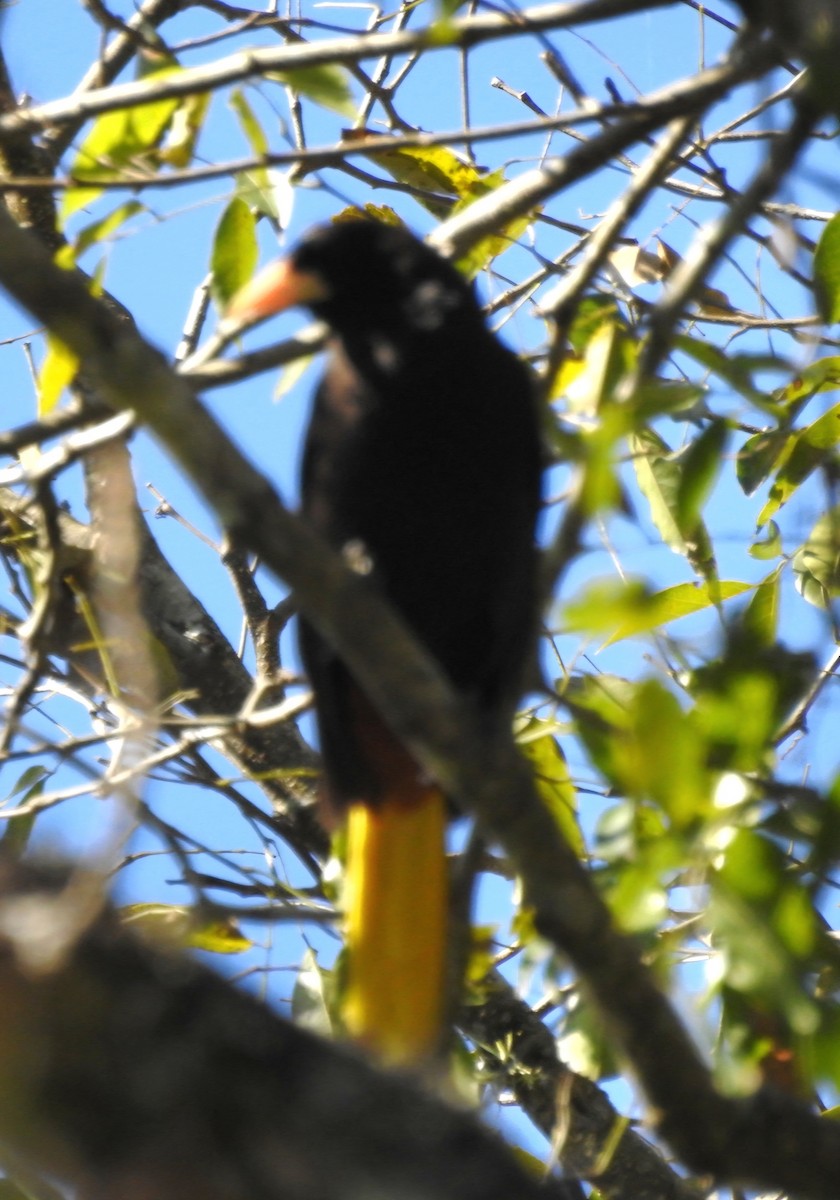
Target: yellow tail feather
x=396 y=927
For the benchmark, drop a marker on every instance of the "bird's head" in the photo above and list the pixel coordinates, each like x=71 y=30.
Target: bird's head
x=360 y=275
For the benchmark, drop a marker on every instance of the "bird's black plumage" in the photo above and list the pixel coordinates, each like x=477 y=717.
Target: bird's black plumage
x=422 y=457
x=423 y=454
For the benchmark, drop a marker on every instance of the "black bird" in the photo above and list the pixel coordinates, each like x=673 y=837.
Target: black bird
x=422 y=462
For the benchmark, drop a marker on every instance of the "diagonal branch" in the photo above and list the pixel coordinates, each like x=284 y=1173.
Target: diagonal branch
x=469 y=31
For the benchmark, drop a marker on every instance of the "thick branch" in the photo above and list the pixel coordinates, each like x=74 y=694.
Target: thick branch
x=130 y=1073
x=470 y=31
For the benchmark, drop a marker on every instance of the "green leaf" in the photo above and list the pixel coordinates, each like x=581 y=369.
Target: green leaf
x=435 y=171
x=759 y=456
x=806 y=450
x=820 y=376
x=118 y=139
x=638 y=899
x=251 y=126
x=761 y=616
x=626 y=609
x=58 y=370
x=659 y=475
x=268 y=192
x=584 y=1046
x=235 y=251
x=767 y=925
x=590 y=315
x=770 y=546
x=662 y=397
x=738 y=370
x=553 y=780
x=743 y=694
x=17 y=830
x=124 y=136
x=312 y=996
x=700 y=464
x=827 y=272
x=816 y=563
x=183 y=926
x=187 y=123
x=325 y=85
x=104 y=229
x=608 y=355
x=646 y=746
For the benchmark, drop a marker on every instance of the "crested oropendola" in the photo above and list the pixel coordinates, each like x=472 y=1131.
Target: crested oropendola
x=422 y=460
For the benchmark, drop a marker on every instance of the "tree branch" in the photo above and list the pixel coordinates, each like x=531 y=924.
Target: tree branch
x=128 y=1072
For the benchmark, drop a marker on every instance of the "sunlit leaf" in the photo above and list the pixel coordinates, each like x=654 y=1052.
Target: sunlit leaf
x=659 y=477
x=738 y=370
x=126 y=137
x=552 y=778
x=269 y=192
x=327 y=85
x=827 y=272
x=104 y=229
x=769 y=546
x=123 y=136
x=187 y=123
x=584 y=1047
x=433 y=172
x=251 y=126
x=607 y=356
x=817 y=561
x=311 y=1003
x=820 y=376
x=627 y=609
x=700 y=466
x=183 y=926
x=642 y=741
x=638 y=899
x=235 y=251
x=58 y=370
x=761 y=615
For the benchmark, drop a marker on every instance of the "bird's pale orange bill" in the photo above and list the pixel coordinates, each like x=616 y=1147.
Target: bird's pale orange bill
x=278 y=287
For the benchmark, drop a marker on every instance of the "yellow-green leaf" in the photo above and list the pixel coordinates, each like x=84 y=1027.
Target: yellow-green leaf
x=816 y=563
x=659 y=476
x=182 y=926
x=820 y=376
x=119 y=139
x=235 y=251
x=312 y=995
x=58 y=370
x=552 y=778
x=325 y=85
x=769 y=546
x=251 y=126
x=827 y=272
x=626 y=609
x=761 y=616
x=699 y=465
x=805 y=450
x=187 y=124
x=102 y=230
